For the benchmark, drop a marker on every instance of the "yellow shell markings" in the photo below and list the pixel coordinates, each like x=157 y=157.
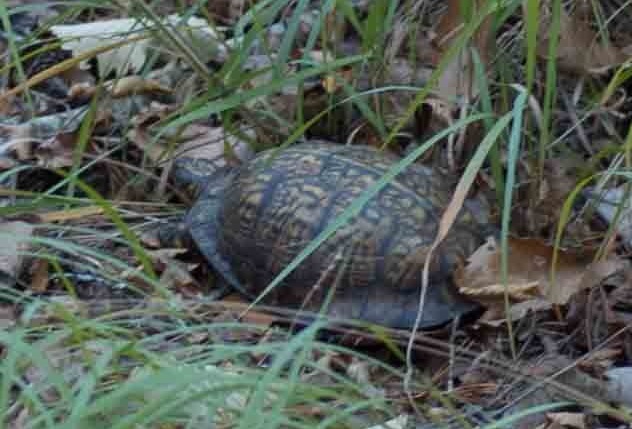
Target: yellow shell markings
x=285 y=220
x=306 y=200
x=292 y=225
x=377 y=168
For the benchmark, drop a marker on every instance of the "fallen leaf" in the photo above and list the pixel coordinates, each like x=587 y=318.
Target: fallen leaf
x=568 y=420
x=198 y=142
x=600 y=360
x=579 y=48
x=131 y=56
x=119 y=88
x=496 y=315
x=209 y=143
x=48 y=139
x=529 y=266
x=130 y=85
x=39 y=276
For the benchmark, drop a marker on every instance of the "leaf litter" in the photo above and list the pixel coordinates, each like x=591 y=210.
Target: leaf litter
x=583 y=303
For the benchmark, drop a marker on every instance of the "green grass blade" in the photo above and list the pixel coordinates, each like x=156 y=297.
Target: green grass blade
x=512 y=161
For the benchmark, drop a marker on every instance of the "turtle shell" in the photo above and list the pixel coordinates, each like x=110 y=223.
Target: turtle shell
x=253 y=223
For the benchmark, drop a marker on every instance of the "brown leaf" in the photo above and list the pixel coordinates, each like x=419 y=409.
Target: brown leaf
x=197 y=141
x=130 y=85
x=579 y=48
x=529 y=265
x=39 y=276
x=209 y=143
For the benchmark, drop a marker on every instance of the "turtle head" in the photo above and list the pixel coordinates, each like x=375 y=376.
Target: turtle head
x=192 y=175
x=193 y=171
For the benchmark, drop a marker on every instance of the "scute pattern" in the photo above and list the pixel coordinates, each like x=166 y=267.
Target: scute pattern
x=277 y=203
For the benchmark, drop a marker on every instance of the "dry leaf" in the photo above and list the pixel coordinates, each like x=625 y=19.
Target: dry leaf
x=119 y=88
x=83 y=38
x=208 y=143
x=529 y=264
x=579 y=48
x=49 y=139
x=39 y=276
x=198 y=142
x=130 y=85
x=568 y=420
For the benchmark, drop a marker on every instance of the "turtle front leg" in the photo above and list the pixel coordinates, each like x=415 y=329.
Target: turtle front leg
x=177 y=234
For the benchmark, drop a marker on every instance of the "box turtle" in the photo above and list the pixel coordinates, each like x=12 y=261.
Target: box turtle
x=252 y=221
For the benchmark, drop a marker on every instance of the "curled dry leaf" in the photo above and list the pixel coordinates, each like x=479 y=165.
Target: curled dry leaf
x=528 y=279
x=119 y=88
